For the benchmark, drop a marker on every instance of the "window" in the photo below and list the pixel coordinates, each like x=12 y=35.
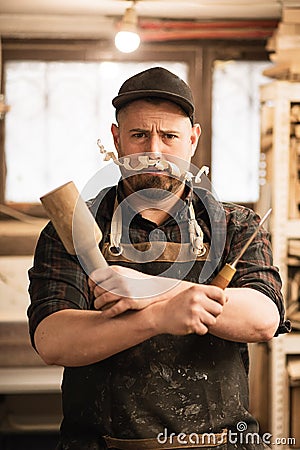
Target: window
x=235 y=129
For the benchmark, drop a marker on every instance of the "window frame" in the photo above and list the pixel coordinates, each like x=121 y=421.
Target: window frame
x=198 y=55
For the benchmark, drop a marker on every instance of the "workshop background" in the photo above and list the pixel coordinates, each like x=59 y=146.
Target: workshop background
x=59 y=70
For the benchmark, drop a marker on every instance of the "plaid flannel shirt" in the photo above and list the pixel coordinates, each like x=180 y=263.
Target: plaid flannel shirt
x=58 y=282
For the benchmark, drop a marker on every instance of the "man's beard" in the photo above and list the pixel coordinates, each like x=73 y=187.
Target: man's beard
x=153 y=186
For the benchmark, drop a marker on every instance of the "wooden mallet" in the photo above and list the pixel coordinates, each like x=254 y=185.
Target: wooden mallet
x=75 y=225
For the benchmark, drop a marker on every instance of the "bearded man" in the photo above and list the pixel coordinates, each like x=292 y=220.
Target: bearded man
x=155 y=356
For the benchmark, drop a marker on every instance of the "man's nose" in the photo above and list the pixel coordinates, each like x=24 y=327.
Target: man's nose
x=154 y=146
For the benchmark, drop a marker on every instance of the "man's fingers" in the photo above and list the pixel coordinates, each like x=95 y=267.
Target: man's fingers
x=212 y=307
x=217 y=294
x=91 y=284
x=201 y=329
x=111 y=286
x=100 y=280
x=100 y=275
x=105 y=299
x=118 y=308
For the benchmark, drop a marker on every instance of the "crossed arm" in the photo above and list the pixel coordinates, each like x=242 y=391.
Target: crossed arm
x=80 y=337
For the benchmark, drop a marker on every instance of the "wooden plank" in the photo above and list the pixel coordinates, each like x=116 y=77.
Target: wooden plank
x=14 y=301
x=17 y=238
x=30 y=380
x=291 y=15
x=287 y=41
x=294 y=248
x=283 y=71
x=294 y=183
x=2 y=163
x=289 y=55
x=288 y=28
x=15 y=346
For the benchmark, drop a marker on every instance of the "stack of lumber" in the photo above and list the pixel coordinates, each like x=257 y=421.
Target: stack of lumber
x=284 y=45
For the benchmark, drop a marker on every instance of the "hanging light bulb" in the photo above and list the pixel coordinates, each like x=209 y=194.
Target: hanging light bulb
x=127 y=39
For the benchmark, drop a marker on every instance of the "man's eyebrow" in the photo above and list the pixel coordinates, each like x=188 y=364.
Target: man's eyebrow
x=147 y=130
x=138 y=129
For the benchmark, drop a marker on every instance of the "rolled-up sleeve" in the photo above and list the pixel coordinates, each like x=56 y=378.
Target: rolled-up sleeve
x=255 y=269
x=56 y=280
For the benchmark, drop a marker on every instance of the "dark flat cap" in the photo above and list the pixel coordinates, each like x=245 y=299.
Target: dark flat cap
x=156 y=82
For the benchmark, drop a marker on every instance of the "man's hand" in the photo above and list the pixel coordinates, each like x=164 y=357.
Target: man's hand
x=192 y=311
x=184 y=307
x=118 y=289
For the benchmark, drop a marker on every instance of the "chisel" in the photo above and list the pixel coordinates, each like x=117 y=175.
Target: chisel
x=226 y=274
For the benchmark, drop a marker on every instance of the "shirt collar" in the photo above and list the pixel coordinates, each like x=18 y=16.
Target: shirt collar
x=180 y=214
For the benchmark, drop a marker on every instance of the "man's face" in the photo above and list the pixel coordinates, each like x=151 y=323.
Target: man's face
x=159 y=130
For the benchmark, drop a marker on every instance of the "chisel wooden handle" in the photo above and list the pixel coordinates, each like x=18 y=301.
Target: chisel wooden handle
x=75 y=225
x=224 y=277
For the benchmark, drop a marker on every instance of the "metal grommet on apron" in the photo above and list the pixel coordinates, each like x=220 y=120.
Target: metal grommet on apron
x=196 y=233
x=115 y=247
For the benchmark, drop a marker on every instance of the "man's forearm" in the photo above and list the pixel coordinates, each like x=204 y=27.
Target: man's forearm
x=248 y=316
x=79 y=337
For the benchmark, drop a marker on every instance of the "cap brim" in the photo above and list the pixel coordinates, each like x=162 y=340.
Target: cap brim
x=122 y=99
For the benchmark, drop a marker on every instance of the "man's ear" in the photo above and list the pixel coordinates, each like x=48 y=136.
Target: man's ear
x=116 y=136
x=195 y=135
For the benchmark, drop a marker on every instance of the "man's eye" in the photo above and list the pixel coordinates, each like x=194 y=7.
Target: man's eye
x=170 y=136
x=139 y=135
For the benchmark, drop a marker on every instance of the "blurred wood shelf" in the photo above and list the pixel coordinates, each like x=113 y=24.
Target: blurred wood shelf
x=280 y=105
x=15 y=380
x=19 y=238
